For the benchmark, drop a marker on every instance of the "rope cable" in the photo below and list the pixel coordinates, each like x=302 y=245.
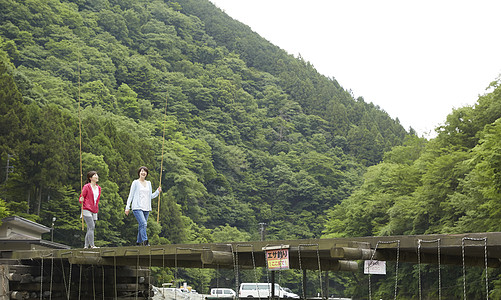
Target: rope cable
x=41 y=279
x=137 y=275
x=80 y=136
x=162 y=157
x=302 y=273
x=396 y=265
x=64 y=275
x=114 y=271
x=103 y=282
x=51 y=272
x=93 y=284
x=68 y=289
x=319 y=268
x=464 y=264
x=420 y=241
x=69 y=281
x=235 y=268
x=320 y=272
x=80 y=282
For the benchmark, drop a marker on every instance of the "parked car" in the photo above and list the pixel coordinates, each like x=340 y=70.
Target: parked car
x=222 y=293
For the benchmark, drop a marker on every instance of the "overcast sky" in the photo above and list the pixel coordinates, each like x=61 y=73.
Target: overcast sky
x=417 y=60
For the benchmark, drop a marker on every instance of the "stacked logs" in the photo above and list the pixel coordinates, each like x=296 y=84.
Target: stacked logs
x=58 y=279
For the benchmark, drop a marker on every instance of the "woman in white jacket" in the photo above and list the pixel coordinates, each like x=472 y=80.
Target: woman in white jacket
x=139 y=200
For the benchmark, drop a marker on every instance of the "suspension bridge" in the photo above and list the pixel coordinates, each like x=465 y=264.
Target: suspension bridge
x=123 y=272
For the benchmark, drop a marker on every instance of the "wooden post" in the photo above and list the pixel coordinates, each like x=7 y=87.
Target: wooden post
x=4 y=282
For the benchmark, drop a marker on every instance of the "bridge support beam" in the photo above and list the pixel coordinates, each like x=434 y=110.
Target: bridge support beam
x=351 y=253
x=209 y=257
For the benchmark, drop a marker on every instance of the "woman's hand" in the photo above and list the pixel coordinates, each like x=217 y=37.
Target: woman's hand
x=126 y=212
x=159 y=189
x=81 y=200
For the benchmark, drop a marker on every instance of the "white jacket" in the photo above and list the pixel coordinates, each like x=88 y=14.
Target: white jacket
x=134 y=197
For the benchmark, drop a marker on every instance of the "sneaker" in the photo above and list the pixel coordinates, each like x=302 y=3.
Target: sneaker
x=146 y=243
x=94 y=247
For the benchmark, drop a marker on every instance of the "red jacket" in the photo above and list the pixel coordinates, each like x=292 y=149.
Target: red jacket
x=88 y=195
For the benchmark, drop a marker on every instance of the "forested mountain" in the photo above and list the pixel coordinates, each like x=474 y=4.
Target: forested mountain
x=252 y=134
x=450 y=184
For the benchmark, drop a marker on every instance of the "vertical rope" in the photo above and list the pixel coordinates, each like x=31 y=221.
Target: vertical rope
x=175 y=276
x=68 y=289
x=103 y=287
x=253 y=265
x=114 y=271
x=419 y=268
x=320 y=272
x=163 y=266
x=235 y=269
x=420 y=241
x=41 y=279
x=464 y=265
x=486 y=270
x=149 y=274
x=64 y=276
x=267 y=270
x=80 y=136
x=319 y=267
x=396 y=269
x=302 y=273
x=115 y=275
x=80 y=283
x=69 y=281
x=93 y=284
x=464 y=269
x=51 y=272
x=439 y=272
x=137 y=276
x=396 y=265
x=162 y=157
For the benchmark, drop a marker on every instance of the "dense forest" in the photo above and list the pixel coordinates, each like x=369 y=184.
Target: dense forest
x=245 y=134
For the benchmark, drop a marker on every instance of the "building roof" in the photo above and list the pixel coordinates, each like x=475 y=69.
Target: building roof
x=15 y=230
x=26 y=224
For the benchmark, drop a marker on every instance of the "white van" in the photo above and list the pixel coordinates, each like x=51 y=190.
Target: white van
x=259 y=290
x=222 y=293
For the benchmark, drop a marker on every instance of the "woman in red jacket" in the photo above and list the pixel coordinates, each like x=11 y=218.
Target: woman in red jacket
x=91 y=192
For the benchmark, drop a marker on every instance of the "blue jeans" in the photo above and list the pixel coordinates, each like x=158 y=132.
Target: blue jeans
x=142 y=220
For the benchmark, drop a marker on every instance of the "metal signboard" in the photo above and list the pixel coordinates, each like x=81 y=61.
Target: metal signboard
x=277 y=258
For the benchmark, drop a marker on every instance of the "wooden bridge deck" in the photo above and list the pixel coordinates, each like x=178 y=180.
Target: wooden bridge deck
x=336 y=254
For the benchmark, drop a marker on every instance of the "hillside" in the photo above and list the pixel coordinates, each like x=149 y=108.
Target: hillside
x=448 y=185
x=252 y=134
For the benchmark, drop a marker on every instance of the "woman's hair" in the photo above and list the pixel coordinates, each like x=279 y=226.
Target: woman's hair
x=145 y=169
x=89 y=175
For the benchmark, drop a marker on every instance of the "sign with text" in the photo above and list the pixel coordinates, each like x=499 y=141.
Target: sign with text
x=375 y=267
x=277 y=259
